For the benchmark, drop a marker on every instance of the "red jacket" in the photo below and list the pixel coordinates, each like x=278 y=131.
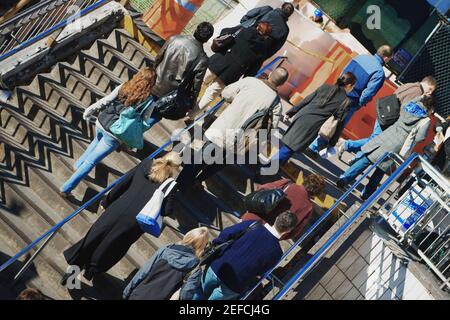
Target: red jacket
x=296 y=201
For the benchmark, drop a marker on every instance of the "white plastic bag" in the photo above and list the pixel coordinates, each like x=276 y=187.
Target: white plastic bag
x=149 y=219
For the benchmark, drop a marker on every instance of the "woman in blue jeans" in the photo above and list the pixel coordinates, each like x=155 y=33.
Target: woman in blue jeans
x=131 y=93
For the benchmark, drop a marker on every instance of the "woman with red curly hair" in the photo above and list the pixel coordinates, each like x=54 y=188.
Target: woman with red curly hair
x=134 y=92
x=297 y=200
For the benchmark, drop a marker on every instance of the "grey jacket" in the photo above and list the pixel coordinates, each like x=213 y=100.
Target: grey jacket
x=393 y=138
x=183 y=260
x=177 y=57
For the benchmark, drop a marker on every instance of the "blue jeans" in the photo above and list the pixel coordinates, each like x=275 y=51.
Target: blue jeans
x=355 y=169
x=283 y=155
x=320 y=142
x=355 y=145
x=359 y=167
x=102 y=145
x=214 y=289
x=373 y=183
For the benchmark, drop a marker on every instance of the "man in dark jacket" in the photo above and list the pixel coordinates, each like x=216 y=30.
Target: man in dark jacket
x=277 y=18
x=248 y=258
x=179 y=56
x=369 y=73
x=405 y=93
x=224 y=68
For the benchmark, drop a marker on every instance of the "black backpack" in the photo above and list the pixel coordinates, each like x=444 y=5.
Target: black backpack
x=262 y=119
x=160 y=284
x=388 y=110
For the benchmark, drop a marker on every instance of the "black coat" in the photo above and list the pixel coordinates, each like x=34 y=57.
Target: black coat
x=110 y=237
x=311 y=114
x=276 y=19
x=244 y=58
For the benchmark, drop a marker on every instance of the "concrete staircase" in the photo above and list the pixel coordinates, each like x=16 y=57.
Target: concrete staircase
x=42 y=133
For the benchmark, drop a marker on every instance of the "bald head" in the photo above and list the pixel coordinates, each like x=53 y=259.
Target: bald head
x=278 y=76
x=385 y=52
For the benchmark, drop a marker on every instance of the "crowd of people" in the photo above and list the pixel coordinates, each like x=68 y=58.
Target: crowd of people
x=228 y=266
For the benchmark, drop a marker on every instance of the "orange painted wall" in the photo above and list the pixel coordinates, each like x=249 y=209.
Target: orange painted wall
x=168 y=18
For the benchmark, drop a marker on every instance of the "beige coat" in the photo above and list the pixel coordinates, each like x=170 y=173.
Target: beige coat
x=246 y=97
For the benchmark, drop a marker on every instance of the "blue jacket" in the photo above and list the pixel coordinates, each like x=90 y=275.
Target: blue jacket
x=249 y=257
x=179 y=257
x=369 y=73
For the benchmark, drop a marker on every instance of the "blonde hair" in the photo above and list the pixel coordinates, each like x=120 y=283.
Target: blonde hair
x=197 y=239
x=165 y=167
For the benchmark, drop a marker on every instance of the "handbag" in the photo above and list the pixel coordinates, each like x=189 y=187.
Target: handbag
x=130 y=126
x=149 y=219
x=263 y=202
x=213 y=251
x=224 y=42
x=329 y=127
x=177 y=103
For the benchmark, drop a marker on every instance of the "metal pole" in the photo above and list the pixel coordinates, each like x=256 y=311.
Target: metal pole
x=30 y=261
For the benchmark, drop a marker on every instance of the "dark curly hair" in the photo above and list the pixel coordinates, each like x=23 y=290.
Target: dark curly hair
x=314 y=185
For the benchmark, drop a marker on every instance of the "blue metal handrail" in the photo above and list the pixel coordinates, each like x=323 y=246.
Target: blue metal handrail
x=60 y=224
x=317 y=223
x=52 y=29
x=327 y=245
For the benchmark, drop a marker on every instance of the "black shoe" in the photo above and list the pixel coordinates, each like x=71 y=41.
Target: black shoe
x=341 y=184
x=311 y=153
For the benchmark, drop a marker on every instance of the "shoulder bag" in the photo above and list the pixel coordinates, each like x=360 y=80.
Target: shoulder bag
x=130 y=126
x=149 y=219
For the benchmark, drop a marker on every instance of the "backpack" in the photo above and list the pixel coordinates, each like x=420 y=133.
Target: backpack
x=388 y=110
x=262 y=119
x=263 y=202
x=160 y=284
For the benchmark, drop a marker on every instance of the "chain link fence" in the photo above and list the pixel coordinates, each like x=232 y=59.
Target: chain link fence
x=433 y=59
